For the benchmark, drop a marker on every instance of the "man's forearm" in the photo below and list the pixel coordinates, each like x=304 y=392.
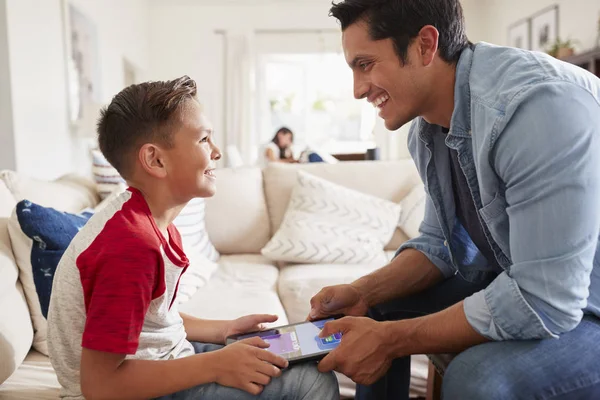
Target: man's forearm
x=447 y=331
x=410 y=272
x=204 y=330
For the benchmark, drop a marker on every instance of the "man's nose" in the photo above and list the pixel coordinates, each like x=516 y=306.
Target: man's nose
x=361 y=88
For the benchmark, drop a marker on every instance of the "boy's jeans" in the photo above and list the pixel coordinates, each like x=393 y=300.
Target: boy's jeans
x=302 y=382
x=564 y=368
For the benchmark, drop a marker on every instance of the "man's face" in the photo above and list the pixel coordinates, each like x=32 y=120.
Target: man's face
x=192 y=159
x=396 y=90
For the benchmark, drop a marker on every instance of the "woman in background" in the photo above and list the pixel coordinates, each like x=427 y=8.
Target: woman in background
x=279 y=149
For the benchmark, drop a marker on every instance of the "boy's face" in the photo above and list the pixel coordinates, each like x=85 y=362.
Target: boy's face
x=192 y=159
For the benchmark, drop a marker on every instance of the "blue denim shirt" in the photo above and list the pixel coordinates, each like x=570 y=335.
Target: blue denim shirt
x=527 y=131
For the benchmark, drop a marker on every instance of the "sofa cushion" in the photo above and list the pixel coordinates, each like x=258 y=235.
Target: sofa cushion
x=16 y=331
x=190 y=224
x=106 y=177
x=69 y=193
x=328 y=223
x=39 y=237
x=243 y=284
x=236 y=217
x=35 y=379
x=413 y=211
x=390 y=180
x=298 y=283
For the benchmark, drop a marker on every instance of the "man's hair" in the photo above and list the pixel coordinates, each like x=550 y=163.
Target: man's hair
x=401 y=20
x=139 y=114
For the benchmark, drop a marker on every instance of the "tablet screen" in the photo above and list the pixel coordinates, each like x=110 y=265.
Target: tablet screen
x=300 y=340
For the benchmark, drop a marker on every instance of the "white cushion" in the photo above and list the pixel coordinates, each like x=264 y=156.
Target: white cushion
x=328 y=223
x=21 y=246
x=191 y=226
x=70 y=193
x=390 y=180
x=413 y=211
x=300 y=282
x=237 y=221
x=16 y=331
x=243 y=284
x=35 y=379
x=107 y=178
x=196 y=276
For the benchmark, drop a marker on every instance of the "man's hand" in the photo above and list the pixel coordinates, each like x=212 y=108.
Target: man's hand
x=247 y=366
x=336 y=300
x=249 y=323
x=363 y=354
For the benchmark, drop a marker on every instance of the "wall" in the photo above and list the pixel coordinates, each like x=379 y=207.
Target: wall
x=7 y=143
x=44 y=147
x=578 y=19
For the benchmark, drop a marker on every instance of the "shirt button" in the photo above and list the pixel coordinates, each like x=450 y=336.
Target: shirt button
x=445 y=243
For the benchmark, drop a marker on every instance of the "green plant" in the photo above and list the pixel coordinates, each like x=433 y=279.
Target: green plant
x=560 y=44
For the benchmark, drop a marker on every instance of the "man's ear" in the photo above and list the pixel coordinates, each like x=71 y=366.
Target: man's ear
x=151 y=158
x=427 y=44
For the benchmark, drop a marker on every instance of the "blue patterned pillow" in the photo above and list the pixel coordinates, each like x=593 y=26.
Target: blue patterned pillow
x=39 y=237
x=51 y=232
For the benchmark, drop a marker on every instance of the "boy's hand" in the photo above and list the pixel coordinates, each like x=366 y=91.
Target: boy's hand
x=247 y=366
x=249 y=323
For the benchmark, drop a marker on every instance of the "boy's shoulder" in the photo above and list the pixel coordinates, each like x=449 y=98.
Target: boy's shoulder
x=124 y=223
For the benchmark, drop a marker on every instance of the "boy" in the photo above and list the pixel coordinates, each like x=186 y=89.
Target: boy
x=113 y=326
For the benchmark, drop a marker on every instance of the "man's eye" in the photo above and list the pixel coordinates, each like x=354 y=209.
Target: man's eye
x=364 y=65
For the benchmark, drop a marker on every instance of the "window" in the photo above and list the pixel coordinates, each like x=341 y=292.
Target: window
x=312 y=94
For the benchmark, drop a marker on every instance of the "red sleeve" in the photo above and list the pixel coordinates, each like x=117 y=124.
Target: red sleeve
x=119 y=281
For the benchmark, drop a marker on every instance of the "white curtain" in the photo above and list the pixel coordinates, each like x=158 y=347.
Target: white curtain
x=240 y=135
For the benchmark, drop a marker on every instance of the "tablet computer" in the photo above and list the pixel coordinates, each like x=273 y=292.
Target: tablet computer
x=296 y=342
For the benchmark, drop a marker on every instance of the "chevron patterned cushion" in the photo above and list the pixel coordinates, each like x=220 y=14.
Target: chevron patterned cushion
x=413 y=211
x=329 y=223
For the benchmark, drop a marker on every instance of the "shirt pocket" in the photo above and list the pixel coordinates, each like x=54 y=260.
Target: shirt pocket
x=495 y=217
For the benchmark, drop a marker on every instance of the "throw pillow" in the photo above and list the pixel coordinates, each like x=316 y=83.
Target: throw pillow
x=190 y=221
x=39 y=237
x=107 y=178
x=329 y=223
x=413 y=211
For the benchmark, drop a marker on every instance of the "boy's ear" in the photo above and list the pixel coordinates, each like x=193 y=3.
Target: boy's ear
x=152 y=160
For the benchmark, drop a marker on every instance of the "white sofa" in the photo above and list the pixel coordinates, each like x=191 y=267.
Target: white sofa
x=240 y=219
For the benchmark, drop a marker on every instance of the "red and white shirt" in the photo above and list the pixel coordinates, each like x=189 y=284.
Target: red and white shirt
x=114 y=291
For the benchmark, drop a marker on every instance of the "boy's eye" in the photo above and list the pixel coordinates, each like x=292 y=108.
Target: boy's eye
x=204 y=139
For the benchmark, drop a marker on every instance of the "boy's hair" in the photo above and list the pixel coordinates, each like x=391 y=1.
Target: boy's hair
x=401 y=20
x=139 y=114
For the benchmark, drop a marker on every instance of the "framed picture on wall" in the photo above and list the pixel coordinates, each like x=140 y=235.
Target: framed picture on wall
x=544 y=28
x=519 y=34
x=83 y=68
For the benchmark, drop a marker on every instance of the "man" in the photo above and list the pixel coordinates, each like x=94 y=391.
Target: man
x=506 y=269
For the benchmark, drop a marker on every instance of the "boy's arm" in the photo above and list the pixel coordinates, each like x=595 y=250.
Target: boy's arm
x=108 y=375
x=244 y=365
x=214 y=331
x=204 y=330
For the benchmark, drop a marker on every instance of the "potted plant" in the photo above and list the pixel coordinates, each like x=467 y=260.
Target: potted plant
x=562 y=49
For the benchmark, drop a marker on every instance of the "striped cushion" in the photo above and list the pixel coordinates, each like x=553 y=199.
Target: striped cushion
x=190 y=221
x=105 y=175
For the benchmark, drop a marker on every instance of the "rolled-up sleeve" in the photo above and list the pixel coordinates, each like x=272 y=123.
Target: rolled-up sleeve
x=548 y=157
